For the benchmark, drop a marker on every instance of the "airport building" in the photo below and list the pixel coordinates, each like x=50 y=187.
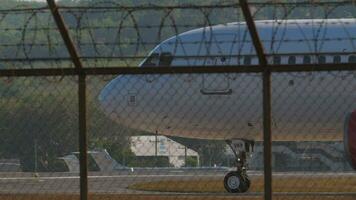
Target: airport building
x=301 y=156
x=10 y=165
x=162 y=146
x=141 y=146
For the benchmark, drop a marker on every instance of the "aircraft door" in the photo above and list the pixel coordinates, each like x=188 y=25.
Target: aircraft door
x=218 y=55
x=216 y=84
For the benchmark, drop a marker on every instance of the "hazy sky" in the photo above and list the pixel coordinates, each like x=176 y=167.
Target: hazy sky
x=32 y=0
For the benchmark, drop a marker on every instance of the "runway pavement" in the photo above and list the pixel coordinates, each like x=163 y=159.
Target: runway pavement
x=108 y=182
x=117 y=182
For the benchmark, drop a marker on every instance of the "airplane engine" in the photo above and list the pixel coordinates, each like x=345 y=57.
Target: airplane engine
x=350 y=138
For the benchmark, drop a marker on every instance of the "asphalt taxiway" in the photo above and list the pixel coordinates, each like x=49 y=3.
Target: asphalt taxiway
x=118 y=182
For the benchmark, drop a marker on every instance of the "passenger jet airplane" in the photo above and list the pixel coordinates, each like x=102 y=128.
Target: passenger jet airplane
x=306 y=106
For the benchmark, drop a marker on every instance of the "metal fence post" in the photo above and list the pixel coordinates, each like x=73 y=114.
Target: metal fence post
x=83 y=144
x=83 y=155
x=267 y=132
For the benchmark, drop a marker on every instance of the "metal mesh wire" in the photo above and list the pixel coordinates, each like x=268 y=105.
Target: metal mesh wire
x=39 y=128
x=166 y=134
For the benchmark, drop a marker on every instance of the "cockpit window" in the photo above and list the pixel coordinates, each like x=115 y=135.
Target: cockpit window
x=247 y=60
x=306 y=60
x=292 y=60
x=337 y=59
x=151 y=61
x=165 y=59
x=352 y=59
x=321 y=59
x=276 y=60
x=162 y=60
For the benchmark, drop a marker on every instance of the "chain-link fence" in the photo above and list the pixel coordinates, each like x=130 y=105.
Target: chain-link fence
x=178 y=100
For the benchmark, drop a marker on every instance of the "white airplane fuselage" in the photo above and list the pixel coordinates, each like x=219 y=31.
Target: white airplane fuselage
x=305 y=106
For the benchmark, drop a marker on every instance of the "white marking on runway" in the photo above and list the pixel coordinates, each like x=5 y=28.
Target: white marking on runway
x=100 y=177
x=178 y=175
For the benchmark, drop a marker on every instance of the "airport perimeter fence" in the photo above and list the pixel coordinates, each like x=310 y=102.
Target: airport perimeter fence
x=80 y=119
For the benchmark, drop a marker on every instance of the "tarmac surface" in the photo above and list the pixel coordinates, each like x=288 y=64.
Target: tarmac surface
x=108 y=182
x=118 y=182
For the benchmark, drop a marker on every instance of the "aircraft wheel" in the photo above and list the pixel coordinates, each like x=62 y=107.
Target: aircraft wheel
x=235 y=182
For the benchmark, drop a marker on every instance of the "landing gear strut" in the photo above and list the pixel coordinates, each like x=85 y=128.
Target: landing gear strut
x=238 y=181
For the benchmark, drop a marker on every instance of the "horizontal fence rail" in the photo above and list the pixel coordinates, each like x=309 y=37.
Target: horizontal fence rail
x=177 y=70
x=84 y=84
x=129 y=39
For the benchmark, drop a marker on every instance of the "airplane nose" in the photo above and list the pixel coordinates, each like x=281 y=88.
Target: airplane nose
x=118 y=98
x=107 y=96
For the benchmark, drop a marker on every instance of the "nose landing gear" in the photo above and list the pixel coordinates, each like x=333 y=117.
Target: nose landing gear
x=238 y=181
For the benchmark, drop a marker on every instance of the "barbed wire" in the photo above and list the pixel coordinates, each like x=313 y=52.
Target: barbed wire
x=305 y=103
x=109 y=34
x=112 y=5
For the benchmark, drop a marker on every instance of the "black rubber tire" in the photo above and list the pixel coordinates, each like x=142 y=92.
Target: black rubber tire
x=243 y=186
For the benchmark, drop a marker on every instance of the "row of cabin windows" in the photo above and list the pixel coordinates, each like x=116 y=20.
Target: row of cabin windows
x=247 y=60
x=165 y=59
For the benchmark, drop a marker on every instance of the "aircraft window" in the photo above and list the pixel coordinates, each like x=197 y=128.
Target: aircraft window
x=223 y=59
x=321 y=59
x=306 y=60
x=247 y=60
x=352 y=59
x=165 y=59
x=292 y=60
x=337 y=59
x=151 y=61
x=276 y=60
